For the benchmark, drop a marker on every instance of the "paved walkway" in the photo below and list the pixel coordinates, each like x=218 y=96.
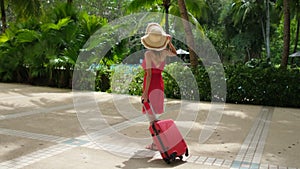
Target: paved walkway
x=41 y=127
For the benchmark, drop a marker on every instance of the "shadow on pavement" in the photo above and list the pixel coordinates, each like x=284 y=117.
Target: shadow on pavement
x=137 y=162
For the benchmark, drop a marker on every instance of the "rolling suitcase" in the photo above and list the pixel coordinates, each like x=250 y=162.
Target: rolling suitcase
x=168 y=139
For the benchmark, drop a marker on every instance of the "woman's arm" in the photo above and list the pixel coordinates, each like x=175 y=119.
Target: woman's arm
x=148 y=76
x=172 y=49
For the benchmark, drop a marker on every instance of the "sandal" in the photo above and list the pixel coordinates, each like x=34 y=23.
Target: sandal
x=152 y=147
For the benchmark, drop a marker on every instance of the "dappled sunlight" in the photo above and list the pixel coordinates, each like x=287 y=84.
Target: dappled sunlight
x=12 y=147
x=236 y=113
x=275 y=159
x=223 y=151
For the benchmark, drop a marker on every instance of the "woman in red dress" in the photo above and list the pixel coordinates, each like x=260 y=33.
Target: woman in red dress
x=159 y=47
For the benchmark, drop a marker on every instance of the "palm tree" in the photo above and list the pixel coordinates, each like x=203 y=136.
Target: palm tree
x=136 y=5
x=3 y=16
x=247 y=13
x=167 y=4
x=26 y=9
x=295 y=11
x=286 y=33
x=188 y=32
x=268 y=29
x=197 y=7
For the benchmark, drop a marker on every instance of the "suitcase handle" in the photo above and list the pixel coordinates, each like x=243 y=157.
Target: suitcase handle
x=157 y=134
x=151 y=107
x=143 y=100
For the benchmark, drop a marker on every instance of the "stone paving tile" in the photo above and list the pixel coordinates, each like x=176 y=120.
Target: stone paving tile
x=218 y=162
x=200 y=160
x=192 y=159
x=83 y=141
x=248 y=158
x=35 y=156
x=251 y=150
x=31 y=135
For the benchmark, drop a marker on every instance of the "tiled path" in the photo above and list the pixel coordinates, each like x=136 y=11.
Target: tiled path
x=251 y=151
x=248 y=157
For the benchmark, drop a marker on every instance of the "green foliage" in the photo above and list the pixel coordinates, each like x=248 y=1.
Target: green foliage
x=47 y=50
x=26 y=9
x=136 y=85
x=102 y=81
x=91 y=23
x=203 y=82
x=179 y=82
x=44 y=50
x=16 y=42
x=122 y=76
x=264 y=86
x=254 y=83
x=61 y=23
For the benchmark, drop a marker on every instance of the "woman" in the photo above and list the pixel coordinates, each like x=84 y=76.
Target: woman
x=159 y=47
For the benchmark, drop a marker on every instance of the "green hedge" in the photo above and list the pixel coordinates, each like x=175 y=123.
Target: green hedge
x=264 y=86
x=245 y=84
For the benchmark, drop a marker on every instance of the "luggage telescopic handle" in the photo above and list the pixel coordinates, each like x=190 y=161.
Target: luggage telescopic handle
x=150 y=105
x=148 y=101
x=143 y=100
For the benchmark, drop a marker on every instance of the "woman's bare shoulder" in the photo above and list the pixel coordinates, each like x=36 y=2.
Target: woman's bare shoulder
x=148 y=54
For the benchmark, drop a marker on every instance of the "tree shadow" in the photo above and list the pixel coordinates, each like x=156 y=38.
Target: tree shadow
x=138 y=161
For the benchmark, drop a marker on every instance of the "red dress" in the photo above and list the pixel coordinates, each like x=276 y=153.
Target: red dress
x=156 y=88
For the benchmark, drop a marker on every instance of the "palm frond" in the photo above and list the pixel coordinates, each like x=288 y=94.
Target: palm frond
x=138 y=5
x=198 y=8
x=61 y=23
x=25 y=35
x=25 y=9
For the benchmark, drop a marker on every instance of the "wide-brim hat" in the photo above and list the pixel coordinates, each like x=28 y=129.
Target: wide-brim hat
x=155 y=38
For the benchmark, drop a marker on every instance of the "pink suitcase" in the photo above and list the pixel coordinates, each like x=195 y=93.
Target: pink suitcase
x=168 y=139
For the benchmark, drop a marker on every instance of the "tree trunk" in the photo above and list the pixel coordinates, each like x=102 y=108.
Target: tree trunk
x=297 y=35
x=167 y=5
x=188 y=32
x=296 y=39
x=69 y=2
x=3 y=16
x=286 y=34
x=268 y=30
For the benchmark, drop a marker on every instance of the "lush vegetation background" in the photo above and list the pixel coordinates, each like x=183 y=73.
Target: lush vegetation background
x=41 y=40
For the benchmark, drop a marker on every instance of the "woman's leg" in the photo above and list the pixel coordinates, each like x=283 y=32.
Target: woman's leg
x=151 y=146
x=151 y=118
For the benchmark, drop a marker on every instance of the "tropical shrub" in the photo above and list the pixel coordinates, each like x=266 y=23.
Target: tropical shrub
x=44 y=52
x=253 y=83
x=264 y=86
x=122 y=76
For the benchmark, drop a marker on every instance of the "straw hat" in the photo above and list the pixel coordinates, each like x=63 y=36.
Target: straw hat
x=155 y=38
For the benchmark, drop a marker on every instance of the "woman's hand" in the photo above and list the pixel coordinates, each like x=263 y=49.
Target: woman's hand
x=169 y=37
x=172 y=49
x=145 y=96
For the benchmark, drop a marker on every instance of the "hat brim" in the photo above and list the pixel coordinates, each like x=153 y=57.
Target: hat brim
x=160 y=45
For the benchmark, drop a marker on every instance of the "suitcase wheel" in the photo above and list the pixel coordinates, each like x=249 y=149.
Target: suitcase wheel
x=167 y=160
x=173 y=156
x=187 y=152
